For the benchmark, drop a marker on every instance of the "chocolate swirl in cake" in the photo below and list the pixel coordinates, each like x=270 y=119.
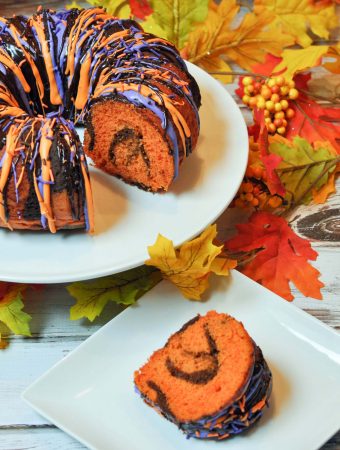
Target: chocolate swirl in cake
x=198 y=376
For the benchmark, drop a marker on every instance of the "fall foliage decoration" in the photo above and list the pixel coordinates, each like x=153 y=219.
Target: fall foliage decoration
x=11 y=310
x=300 y=18
x=303 y=168
x=190 y=266
x=124 y=288
x=280 y=256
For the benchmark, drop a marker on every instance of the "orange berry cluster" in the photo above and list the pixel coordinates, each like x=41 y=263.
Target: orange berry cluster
x=272 y=95
x=255 y=194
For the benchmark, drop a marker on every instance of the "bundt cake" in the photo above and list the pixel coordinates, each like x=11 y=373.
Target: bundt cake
x=210 y=378
x=130 y=89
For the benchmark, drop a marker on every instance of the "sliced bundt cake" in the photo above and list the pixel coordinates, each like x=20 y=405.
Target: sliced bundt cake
x=210 y=378
x=131 y=89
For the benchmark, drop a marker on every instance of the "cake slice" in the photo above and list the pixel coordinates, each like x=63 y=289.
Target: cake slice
x=210 y=378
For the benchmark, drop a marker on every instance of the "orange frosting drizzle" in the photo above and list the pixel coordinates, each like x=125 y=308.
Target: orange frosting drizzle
x=13 y=111
x=7 y=61
x=84 y=83
x=54 y=91
x=93 y=15
x=30 y=60
x=44 y=151
x=11 y=143
x=178 y=119
x=113 y=37
x=7 y=97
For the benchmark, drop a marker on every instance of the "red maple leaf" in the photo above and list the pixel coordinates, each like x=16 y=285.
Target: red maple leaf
x=313 y=121
x=240 y=90
x=266 y=68
x=140 y=8
x=282 y=256
x=270 y=161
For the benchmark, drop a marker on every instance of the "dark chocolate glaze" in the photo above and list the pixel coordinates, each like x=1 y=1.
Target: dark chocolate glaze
x=32 y=208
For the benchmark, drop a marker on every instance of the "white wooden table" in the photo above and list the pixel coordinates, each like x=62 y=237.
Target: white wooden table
x=54 y=335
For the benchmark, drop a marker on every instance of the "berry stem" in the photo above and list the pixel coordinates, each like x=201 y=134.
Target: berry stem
x=241 y=74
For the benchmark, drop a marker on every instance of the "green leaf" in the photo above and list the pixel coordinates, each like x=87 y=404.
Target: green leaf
x=174 y=19
x=303 y=167
x=123 y=288
x=12 y=315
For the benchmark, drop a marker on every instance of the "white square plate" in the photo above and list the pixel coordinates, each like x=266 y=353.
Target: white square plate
x=90 y=393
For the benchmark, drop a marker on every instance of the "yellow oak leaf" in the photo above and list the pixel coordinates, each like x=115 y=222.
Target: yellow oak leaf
x=297 y=16
x=254 y=39
x=297 y=60
x=245 y=44
x=189 y=266
x=215 y=65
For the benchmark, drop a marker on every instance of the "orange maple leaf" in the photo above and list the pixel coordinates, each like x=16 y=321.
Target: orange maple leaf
x=282 y=256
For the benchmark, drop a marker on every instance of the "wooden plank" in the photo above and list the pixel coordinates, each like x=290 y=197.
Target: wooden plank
x=320 y=223
x=21 y=364
x=37 y=439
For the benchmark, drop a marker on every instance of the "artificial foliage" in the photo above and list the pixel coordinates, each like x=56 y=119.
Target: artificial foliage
x=271 y=49
x=280 y=256
x=190 y=266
